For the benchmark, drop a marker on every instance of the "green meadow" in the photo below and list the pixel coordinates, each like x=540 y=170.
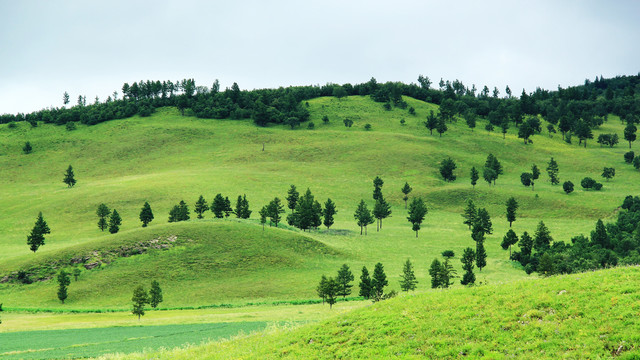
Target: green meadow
x=166 y=158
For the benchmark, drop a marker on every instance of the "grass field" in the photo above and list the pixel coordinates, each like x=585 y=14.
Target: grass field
x=167 y=158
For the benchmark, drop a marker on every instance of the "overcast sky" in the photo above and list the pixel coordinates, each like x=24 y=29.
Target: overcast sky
x=91 y=48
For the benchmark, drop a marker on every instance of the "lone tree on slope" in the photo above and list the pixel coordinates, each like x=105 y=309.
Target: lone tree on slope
x=69 y=177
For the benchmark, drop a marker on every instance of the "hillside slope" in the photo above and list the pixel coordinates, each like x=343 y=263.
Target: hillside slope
x=582 y=316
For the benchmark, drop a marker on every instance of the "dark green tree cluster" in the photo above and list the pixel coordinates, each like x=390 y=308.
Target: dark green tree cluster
x=408 y=279
x=146 y=214
x=492 y=169
x=69 y=177
x=480 y=224
x=447 y=166
x=363 y=216
x=417 y=212
x=307 y=213
x=36 y=238
x=221 y=206
x=442 y=273
x=372 y=287
x=609 y=140
x=179 y=212
x=468 y=260
x=588 y=183
x=330 y=288
x=242 y=207
x=63 y=285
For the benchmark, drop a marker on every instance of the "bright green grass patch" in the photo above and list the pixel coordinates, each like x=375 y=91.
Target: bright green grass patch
x=581 y=316
x=80 y=343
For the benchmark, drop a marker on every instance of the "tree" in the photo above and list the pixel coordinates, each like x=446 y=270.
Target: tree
x=509 y=239
x=307 y=213
x=40 y=229
x=481 y=255
x=504 y=125
x=588 y=183
x=512 y=207
x=636 y=162
x=446 y=169
x=406 y=189
x=474 y=177
x=526 y=244
x=630 y=133
x=263 y=216
x=629 y=156
x=339 y=92
x=65 y=98
x=441 y=126
x=292 y=197
x=381 y=210
x=242 y=207
x=325 y=119
x=470 y=214
x=201 y=206
x=417 y=212
x=367 y=126
x=365 y=283
x=468 y=260
x=140 y=299
x=155 y=294
x=102 y=212
x=363 y=216
x=489 y=127
x=69 y=178
x=378 y=282
x=218 y=206
x=328 y=213
x=321 y=288
x=470 y=117
x=608 y=173
x=535 y=172
x=408 y=277
x=447 y=274
x=27 y=148
x=63 y=283
x=432 y=122
x=493 y=164
x=567 y=187
x=348 y=122
x=489 y=175
x=377 y=188
x=583 y=132
x=434 y=272
x=344 y=279
x=274 y=209
x=292 y=121
x=114 y=222
x=525 y=131
x=552 y=171
x=146 y=215
x=483 y=221
x=227 y=207
x=330 y=291
x=76 y=273
x=527 y=179
x=542 y=238
x=600 y=237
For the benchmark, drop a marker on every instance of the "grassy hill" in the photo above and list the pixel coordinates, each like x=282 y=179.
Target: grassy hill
x=167 y=158
x=582 y=316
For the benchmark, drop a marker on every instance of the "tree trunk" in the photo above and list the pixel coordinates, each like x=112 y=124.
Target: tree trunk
x=360 y=229
x=416 y=233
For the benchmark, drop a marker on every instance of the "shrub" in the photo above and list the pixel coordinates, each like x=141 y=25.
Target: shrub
x=367 y=127
x=567 y=187
x=70 y=126
x=311 y=126
x=628 y=157
x=12 y=125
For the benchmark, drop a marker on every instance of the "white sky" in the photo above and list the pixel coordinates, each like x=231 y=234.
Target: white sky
x=91 y=48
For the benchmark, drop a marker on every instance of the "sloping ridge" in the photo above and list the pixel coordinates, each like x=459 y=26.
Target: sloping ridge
x=587 y=315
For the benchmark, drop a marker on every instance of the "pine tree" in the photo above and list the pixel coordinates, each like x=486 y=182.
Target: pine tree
x=542 y=238
x=447 y=274
x=201 y=206
x=274 y=209
x=365 y=283
x=600 y=237
x=155 y=294
x=417 y=212
x=377 y=188
x=474 y=177
x=493 y=164
x=217 y=206
x=468 y=260
x=535 y=172
x=321 y=288
x=27 y=148
x=114 y=222
x=102 y=212
x=76 y=273
x=552 y=171
x=378 y=282
x=36 y=238
x=512 y=207
x=344 y=279
x=227 y=207
x=292 y=197
x=481 y=255
x=331 y=291
x=328 y=213
x=435 y=270
x=363 y=216
x=526 y=244
x=408 y=278
x=484 y=221
x=146 y=215
x=183 y=211
x=63 y=283
x=509 y=239
x=69 y=178
x=470 y=214
x=406 y=189
x=263 y=216
x=381 y=210
x=140 y=299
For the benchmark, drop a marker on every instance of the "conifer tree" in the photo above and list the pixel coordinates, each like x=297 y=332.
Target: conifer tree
x=27 y=148
x=474 y=177
x=102 y=212
x=114 y=222
x=63 y=284
x=292 y=197
x=331 y=291
x=484 y=221
x=69 y=177
x=218 y=206
x=468 y=259
x=36 y=238
x=408 y=277
x=512 y=207
x=435 y=270
x=470 y=214
x=321 y=288
x=406 y=189
x=378 y=282
x=344 y=279
x=363 y=216
x=146 y=215
x=552 y=171
x=140 y=299
x=535 y=172
x=492 y=163
x=377 y=188
x=365 y=283
x=242 y=207
x=600 y=237
x=447 y=274
x=76 y=273
x=526 y=244
x=328 y=213
x=264 y=212
x=417 y=212
x=509 y=239
x=481 y=255
x=227 y=207
x=274 y=209
x=381 y=210
x=155 y=294
x=542 y=238
x=630 y=133
x=201 y=207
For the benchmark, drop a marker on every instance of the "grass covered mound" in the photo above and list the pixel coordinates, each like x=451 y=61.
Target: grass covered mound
x=581 y=316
